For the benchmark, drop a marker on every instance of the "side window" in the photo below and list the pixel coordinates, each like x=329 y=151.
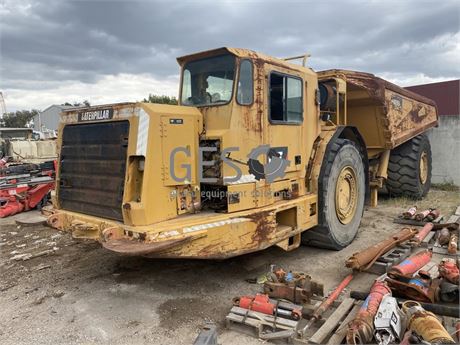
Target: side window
x=245 y=83
x=285 y=99
x=186 y=89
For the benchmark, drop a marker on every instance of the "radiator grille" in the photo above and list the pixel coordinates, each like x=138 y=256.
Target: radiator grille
x=92 y=168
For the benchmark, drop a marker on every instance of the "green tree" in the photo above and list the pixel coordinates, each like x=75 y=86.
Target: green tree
x=160 y=99
x=18 y=119
x=78 y=104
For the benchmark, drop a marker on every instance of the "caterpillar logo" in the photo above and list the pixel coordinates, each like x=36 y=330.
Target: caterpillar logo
x=95 y=115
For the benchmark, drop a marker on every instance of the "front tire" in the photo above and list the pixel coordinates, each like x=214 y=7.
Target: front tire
x=341 y=194
x=409 y=169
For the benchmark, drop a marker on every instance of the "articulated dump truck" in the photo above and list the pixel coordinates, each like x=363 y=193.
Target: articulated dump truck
x=259 y=152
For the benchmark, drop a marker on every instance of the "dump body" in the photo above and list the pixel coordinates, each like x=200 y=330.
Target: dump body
x=185 y=181
x=385 y=114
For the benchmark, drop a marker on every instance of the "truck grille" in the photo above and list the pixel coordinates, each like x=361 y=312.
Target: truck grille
x=92 y=168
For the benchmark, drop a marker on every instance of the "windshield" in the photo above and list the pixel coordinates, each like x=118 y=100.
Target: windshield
x=208 y=81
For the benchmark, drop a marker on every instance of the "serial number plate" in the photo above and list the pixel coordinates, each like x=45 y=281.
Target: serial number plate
x=95 y=115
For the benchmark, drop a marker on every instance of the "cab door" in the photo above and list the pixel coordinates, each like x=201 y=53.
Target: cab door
x=285 y=117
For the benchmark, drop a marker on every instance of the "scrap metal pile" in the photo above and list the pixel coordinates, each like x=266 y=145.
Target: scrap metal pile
x=381 y=318
x=416 y=300
x=25 y=186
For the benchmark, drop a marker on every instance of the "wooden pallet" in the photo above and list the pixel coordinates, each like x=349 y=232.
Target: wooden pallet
x=432 y=269
x=261 y=325
x=335 y=326
x=331 y=329
x=400 y=220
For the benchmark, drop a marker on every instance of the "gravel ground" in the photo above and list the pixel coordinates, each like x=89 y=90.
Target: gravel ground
x=79 y=293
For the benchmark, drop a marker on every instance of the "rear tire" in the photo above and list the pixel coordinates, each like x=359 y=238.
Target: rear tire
x=341 y=196
x=409 y=169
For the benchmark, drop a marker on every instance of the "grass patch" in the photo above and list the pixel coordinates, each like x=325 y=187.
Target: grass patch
x=446 y=186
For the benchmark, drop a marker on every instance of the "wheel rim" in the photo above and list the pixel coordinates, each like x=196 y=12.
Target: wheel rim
x=423 y=167
x=346 y=195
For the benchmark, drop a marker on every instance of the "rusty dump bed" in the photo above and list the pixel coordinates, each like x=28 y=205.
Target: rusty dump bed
x=386 y=114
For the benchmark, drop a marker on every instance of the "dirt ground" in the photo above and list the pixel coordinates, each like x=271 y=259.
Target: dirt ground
x=82 y=294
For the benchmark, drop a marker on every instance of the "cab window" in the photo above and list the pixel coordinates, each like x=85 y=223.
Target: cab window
x=245 y=92
x=285 y=99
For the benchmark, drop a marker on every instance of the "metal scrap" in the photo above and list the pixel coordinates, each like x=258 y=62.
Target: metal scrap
x=418 y=288
x=443 y=236
x=390 y=321
x=448 y=270
x=296 y=287
x=361 y=329
x=365 y=258
x=423 y=233
x=411 y=265
x=422 y=215
x=426 y=324
x=452 y=246
x=317 y=314
x=410 y=213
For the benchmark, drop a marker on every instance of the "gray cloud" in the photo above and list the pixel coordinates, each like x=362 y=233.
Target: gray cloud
x=47 y=42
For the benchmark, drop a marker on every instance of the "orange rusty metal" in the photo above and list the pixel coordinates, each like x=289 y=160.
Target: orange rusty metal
x=361 y=329
x=332 y=297
x=422 y=215
x=423 y=233
x=411 y=265
x=443 y=236
x=298 y=290
x=426 y=324
x=419 y=288
x=317 y=314
x=365 y=258
x=449 y=270
x=410 y=213
x=452 y=247
x=138 y=248
x=432 y=215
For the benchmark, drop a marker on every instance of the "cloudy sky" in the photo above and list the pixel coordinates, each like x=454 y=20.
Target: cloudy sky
x=110 y=51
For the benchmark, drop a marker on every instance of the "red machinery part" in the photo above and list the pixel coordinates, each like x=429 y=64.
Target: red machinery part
x=11 y=207
x=423 y=233
x=449 y=270
x=259 y=302
x=332 y=297
x=361 y=329
x=433 y=215
x=23 y=198
x=422 y=215
x=326 y=304
x=37 y=193
x=410 y=213
x=412 y=264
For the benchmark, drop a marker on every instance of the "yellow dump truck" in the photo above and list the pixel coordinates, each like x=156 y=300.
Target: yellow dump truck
x=259 y=152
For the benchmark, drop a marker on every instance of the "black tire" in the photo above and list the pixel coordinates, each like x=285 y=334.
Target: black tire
x=331 y=233
x=404 y=168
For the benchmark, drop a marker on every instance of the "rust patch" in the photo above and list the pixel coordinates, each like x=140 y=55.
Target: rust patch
x=264 y=227
x=417 y=110
x=259 y=97
x=133 y=247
